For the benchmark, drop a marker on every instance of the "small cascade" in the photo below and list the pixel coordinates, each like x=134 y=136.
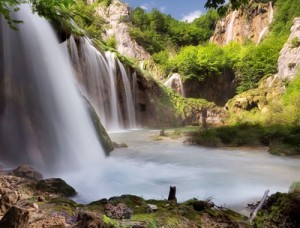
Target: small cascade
x=261 y=34
x=175 y=83
x=45 y=122
x=265 y=29
x=271 y=12
x=229 y=33
x=105 y=82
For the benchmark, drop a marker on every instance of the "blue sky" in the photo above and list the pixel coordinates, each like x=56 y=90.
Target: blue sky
x=179 y=9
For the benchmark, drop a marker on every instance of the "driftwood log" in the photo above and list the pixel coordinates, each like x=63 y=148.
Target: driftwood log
x=254 y=213
x=172 y=194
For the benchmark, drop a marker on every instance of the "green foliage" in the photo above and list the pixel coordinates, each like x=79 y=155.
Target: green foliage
x=157 y=32
x=111 y=42
x=286 y=11
x=84 y=16
x=281 y=139
x=295 y=42
x=5 y=6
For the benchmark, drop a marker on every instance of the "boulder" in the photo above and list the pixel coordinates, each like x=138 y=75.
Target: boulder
x=15 y=217
x=120 y=211
x=50 y=222
x=120 y=145
x=151 y=207
x=8 y=197
x=56 y=185
x=28 y=172
x=89 y=219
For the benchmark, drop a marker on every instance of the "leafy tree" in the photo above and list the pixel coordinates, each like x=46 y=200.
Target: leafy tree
x=6 y=6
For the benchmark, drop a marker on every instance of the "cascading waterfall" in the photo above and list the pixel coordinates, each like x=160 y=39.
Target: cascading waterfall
x=271 y=12
x=229 y=34
x=265 y=29
x=45 y=121
x=105 y=83
x=175 y=83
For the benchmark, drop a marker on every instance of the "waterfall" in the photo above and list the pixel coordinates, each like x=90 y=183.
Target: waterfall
x=105 y=82
x=45 y=121
x=270 y=19
x=271 y=12
x=175 y=83
x=261 y=34
x=229 y=33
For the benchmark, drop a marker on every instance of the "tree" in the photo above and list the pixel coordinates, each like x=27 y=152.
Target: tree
x=46 y=8
x=5 y=8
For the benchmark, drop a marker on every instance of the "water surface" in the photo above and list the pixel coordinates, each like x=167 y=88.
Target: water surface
x=147 y=168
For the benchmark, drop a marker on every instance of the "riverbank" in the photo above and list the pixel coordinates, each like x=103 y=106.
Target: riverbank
x=277 y=139
x=28 y=200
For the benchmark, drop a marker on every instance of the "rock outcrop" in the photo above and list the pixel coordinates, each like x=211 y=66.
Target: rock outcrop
x=289 y=59
x=215 y=88
x=116 y=15
x=271 y=88
x=248 y=23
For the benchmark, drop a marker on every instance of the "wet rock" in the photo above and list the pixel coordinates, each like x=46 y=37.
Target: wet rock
x=199 y=205
x=151 y=207
x=89 y=219
x=51 y=222
x=120 y=211
x=56 y=185
x=162 y=132
x=102 y=135
x=28 y=172
x=120 y=145
x=8 y=197
x=15 y=217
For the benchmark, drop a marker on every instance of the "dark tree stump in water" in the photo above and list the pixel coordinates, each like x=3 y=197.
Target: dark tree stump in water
x=172 y=193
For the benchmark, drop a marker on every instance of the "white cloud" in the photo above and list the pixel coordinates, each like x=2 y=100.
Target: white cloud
x=191 y=16
x=144 y=7
x=162 y=9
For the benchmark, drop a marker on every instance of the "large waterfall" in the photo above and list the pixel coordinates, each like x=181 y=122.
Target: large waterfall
x=105 y=83
x=43 y=121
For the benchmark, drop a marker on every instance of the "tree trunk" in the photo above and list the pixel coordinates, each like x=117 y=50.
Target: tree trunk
x=172 y=193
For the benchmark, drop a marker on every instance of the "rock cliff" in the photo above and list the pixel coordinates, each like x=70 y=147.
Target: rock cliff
x=289 y=59
x=116 y=15
x=248 y=23
x=271 y=88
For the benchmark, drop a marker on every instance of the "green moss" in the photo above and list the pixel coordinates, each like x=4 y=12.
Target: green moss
x=109 y=222
x=102 y=135
x=56 y=185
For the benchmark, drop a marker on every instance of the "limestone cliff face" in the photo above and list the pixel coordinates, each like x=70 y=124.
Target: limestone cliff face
x=289 y=59
x=116 y=15
x=240 y=25
x=271 y=88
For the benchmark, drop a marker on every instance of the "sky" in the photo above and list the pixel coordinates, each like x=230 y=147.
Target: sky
x=186 y=10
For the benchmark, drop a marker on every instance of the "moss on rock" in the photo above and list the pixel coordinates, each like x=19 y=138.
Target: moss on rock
x=56 y=185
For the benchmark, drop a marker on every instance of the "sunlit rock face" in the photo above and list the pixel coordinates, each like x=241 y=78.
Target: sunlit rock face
x=116 y=15
x=244 y=24
x=289 y=59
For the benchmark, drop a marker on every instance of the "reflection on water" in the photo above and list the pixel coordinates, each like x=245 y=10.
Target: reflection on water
x=147 y=168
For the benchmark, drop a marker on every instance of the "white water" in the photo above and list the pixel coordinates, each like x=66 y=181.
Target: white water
x=270 y=19
x=229 y=33
x=46 y=122
x=147 y=168
x=271 y=12
x=175 y=81
x=261 y=34
x=100 y=76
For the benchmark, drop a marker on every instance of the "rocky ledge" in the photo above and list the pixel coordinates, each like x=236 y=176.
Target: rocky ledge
x=27 y=200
